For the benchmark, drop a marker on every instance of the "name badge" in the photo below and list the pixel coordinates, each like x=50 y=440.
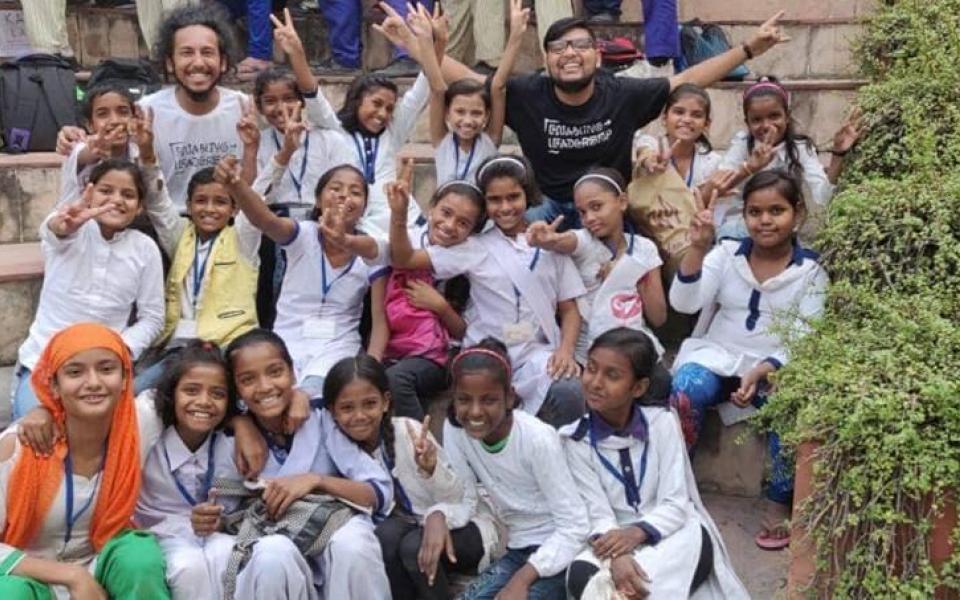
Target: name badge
x=186 y=329
x=316 y=328
x=518 y=333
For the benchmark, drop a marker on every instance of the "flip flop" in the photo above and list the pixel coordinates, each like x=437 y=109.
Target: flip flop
x=765 y=540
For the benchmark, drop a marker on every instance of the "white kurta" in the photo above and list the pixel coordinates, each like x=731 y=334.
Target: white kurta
x=668 y=504
x=705 y=162
x=746 y=313
x=534 y=503
x=319 y=326
x=73 y=178
x=195 y=565
x=351 y=566
x=453 y=163
x=497 y=309
x=613 y=301
x=49 y=542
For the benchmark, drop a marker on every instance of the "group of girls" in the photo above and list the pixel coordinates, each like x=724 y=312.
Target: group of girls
x=559 y=330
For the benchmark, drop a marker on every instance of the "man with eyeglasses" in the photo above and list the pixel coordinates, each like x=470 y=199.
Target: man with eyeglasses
x=576 y=115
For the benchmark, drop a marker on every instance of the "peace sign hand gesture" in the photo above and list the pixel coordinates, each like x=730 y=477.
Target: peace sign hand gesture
x=424 y=450
x=227 y=171
x=286 y=36
x=763 y=153
x=140 y=129
x=293 y=128
x=519 y=19
x=398 y=192
x=70 y=217
x=849 y=132
x=540 y=234
x=702 y=229
x=247 y=125
x=768 y=36
x=331 y=226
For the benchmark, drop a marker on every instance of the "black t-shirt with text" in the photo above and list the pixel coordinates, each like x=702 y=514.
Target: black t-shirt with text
x=563 y=141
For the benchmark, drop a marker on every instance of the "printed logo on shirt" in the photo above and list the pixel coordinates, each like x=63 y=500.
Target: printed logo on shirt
x=626 y=306
x=193 y=155
x=561 y=136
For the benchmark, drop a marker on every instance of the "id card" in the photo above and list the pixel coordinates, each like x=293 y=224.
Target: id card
x=518 y=333
x=186 y=330
x=315 y=328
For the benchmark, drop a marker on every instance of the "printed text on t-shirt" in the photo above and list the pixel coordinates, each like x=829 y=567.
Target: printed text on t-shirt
x=193 y=155
x=561 y=136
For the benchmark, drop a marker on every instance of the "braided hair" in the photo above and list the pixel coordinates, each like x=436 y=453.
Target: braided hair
x=369 y=369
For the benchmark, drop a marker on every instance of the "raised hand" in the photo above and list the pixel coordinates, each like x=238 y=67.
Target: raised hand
x=849 y=132
x=398 y=191
x=721 y=182
x=424 y=450
x=140 y=129
x=395 y=29
x=768 y=35
x=247 y=125
x=285 y=35
x=441 y=31
x=763 y=153
x=659 y=162
x=332 y=228
x=70 y=217
x=702 y=229
x=102 y=143
x=543 y=235
x=293 y=128
x=519 y=18
x=68 y=137
x=227 y=171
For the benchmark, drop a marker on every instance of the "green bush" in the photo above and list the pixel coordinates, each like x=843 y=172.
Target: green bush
x=877 y=382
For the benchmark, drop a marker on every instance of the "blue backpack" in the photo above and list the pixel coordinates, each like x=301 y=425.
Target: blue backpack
x=700 y=42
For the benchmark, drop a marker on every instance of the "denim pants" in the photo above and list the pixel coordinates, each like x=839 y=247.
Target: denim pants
x=495 y=577
x=549 y=209
x=344 y=25
x=695 y=388
x=259 y=28
x=22 y=398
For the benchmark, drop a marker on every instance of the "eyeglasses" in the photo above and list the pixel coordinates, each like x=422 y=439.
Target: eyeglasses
x=578 y=44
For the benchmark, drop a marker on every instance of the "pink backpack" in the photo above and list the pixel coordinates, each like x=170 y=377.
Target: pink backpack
x=413 y=331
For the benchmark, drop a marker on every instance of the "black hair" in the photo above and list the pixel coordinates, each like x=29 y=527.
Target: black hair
x=258 y=336
x=784 y=182
x=470 y=192
x=477 y=361
x=361 y=86
x=790 y=136
x=102 y=89
x=196 y=352
x=324 y=180
x=365 y=368
x=467 y=87
x=517 y=168
x=120 y=164
x=634 y=345
x=691 y=89
x=632 y=222
x=561 y=26
x=210 y=15
x=201 y=177
x=273 y=75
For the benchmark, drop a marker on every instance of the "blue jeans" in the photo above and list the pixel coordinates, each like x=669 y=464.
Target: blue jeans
x=22 y=398
x=696 y=388
x=344 y=21
x=549 y=209
x=495 y=577
x=150 y=377
x=259 y=28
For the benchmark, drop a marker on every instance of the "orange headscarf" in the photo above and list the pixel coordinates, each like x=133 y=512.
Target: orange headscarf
x=35 y=481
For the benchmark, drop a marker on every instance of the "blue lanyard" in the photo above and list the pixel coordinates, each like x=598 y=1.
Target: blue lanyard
x=397 y=486
x=72 y=517
x=613 y=250
x=689 y=173
x=516 y=292
x=456 y=157
x=207 y=478
x=368 y=156
x=625 y=474
x=200 y=269
x=280 y=453
x=324 y=286
x=298 y=184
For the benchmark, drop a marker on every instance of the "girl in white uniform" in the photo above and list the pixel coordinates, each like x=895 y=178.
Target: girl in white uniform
x=621 y=271
x=176 y=501
x=317 y=458
x=517 y=291
x=321 y=302
x=649 y=533
x=745 y=289
x=514 y=456
x=359 y=398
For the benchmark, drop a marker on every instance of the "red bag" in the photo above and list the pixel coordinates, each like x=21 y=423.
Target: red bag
x=413 y=331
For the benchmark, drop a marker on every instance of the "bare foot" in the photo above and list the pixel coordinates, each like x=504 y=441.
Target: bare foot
x=250 y=67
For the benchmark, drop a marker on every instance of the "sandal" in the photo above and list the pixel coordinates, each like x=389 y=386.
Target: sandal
x=773 y=539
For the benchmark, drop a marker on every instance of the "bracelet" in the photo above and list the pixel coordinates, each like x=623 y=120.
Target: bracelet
x=839 y=153
x=747 y=50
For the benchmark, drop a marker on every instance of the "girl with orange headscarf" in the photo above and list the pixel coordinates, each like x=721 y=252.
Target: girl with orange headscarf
x=66 y=516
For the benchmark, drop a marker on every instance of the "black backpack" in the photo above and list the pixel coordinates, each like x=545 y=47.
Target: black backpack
x=137 y=75
x=37 y=97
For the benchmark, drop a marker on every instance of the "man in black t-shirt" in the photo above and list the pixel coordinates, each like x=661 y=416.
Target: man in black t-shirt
x=575 y=115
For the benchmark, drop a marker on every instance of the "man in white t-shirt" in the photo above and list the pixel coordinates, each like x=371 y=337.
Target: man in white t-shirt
x=195 y=120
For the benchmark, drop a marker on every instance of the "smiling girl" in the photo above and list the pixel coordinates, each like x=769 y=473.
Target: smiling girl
x=95 y=270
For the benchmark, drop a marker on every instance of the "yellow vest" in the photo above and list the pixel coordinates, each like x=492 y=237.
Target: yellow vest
x=228 y=306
